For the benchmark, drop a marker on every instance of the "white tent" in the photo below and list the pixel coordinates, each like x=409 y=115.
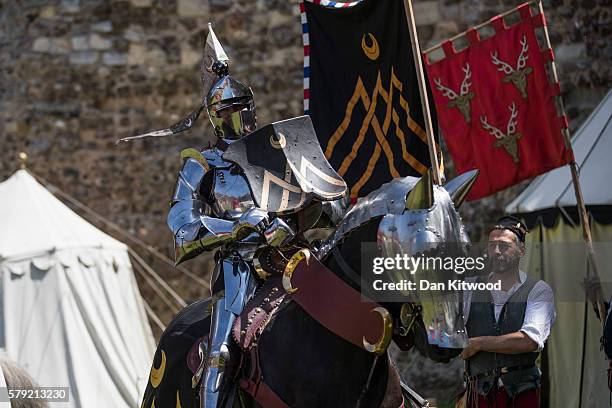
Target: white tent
x=70 y=311
x=3 y=403
x=576 y=366
x=592 y=146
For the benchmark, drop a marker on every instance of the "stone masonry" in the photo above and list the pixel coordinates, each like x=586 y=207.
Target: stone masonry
x=76 y=75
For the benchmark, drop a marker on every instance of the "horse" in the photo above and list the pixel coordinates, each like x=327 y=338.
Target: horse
x=303 y=362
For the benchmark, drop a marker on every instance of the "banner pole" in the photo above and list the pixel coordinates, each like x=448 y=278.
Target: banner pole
x=416 y=52
x=580 y=204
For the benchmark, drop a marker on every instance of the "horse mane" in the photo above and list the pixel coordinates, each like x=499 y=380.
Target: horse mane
x=349 y=249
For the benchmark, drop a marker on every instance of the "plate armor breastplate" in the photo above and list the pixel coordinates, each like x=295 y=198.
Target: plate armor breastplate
x=230 y=189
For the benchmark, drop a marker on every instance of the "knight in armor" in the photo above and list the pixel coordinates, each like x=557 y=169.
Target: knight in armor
x=213 y=208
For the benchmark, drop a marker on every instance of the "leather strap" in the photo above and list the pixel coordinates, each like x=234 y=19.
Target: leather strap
x=334 y=304
x=500 y=371
x=337 y=306
x=263 y=394
x=257 y=387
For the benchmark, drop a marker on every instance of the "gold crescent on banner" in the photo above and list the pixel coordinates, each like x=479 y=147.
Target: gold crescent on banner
x=158 y=373
x=371 y=51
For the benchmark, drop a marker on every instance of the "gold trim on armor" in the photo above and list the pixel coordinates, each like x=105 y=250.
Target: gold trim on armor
x=191 y=153
x=291 y=266
x=280 y=143
x=381 y=345
x=214 y=299
x=259 y=270
x=217 y=361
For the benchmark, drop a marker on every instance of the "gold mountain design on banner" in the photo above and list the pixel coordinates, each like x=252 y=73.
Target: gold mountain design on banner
x=363 y=94
x=371 y=121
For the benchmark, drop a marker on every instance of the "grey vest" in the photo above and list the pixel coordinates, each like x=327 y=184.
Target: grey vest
x=518 y=372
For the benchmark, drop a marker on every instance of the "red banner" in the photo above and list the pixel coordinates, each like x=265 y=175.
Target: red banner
x=496 y=106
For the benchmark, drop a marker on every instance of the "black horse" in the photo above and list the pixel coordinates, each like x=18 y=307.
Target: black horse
x=302 y=361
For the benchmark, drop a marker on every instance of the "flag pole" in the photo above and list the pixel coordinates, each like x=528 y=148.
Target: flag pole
x=583 y=215
x=416 y=52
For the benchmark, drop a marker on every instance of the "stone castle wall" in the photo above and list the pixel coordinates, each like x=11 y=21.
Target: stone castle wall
x=76 y=75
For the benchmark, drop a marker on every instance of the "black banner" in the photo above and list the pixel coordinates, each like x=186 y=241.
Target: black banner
x=363 y=92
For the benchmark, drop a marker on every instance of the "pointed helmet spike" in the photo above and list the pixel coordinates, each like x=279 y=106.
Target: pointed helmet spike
x=421 y=195
x=215 y=46
x=459 y=187
x=214 y=65
x=215 y=62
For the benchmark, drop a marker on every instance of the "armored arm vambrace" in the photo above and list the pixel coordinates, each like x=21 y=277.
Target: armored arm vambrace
x=191 y=219
x=194 y=224
x=203 y=232
x=207 y=232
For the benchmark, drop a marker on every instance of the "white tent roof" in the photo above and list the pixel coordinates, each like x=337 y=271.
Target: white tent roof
x=70 y=313
x=592 y=147
x=27 y=204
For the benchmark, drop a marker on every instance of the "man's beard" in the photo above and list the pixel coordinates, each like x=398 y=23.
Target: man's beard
x=503 y=264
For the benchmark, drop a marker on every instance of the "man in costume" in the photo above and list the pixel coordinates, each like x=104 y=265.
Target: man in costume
x=214 y=206
x=508 y=327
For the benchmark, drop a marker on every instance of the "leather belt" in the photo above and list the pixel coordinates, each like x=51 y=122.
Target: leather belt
x=336 y=305
x=499 y=371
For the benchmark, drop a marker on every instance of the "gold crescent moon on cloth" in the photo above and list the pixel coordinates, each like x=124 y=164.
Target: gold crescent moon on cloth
x=381 y=345
x=290 y=268
x=371 y=51
x=158 y=373
x=178 y=400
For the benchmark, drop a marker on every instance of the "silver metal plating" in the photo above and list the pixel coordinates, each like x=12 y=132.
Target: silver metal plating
x=417 y=216
x=232 y=193
x=390 y=198
x=417 y=232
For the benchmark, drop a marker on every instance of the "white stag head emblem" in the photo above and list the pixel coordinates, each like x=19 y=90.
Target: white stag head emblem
x=507 y=140
x=462 y=100
x=517 y=75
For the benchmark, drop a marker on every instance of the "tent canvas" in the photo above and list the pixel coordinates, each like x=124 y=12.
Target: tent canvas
x=70 y=311
x=592 y=146
x=555 y=253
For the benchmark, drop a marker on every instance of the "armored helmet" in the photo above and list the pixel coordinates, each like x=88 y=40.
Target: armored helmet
x=229 y=102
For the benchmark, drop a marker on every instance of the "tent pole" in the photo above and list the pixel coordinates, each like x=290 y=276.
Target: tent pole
x=105 y=221
x=140 y=270
x=154 y=317
x=158 y=278
x=416 y=53
x=584 y=218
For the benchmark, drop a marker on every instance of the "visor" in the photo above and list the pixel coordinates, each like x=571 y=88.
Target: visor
x=233 y=120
